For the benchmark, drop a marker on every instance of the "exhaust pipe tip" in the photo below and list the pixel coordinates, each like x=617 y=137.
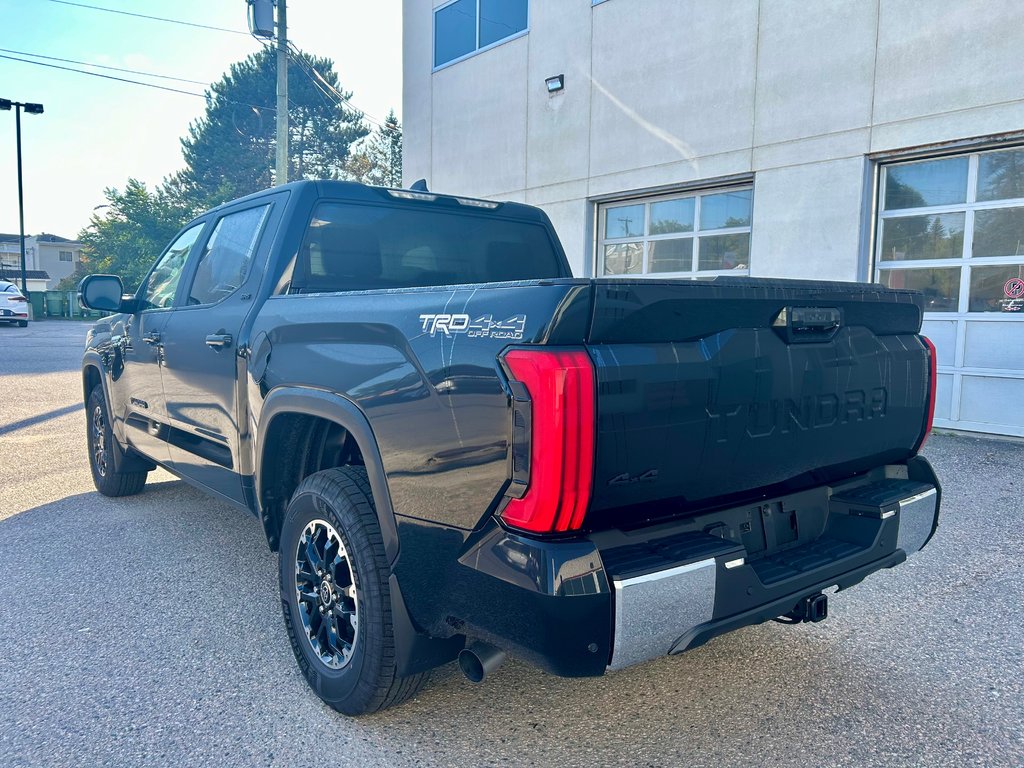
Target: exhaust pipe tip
x=479 y=660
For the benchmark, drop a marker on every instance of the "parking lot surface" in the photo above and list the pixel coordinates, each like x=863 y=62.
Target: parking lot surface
x=146 y=631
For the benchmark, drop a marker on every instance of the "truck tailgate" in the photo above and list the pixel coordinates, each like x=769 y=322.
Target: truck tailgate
x=713 y=391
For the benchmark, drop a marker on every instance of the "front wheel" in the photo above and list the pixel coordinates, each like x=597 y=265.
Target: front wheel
x=107 y=480
x=336 y=597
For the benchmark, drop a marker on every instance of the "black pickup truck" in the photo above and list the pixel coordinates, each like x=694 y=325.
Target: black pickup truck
x=461 y=451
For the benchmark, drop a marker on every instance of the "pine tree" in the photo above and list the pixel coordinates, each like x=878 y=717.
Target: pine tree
x=379 y=160
x=230 y=151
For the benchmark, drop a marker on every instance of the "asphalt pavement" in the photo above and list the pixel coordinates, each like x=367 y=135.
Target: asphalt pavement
x=146 y=631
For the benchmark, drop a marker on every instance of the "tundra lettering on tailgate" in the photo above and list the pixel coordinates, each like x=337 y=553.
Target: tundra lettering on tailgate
x=796 y=415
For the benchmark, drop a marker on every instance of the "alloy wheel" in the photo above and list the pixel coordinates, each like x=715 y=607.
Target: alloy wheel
x=325 y=584
x=99 y=441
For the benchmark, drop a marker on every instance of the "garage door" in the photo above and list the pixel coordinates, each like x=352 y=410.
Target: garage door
x=953 y=227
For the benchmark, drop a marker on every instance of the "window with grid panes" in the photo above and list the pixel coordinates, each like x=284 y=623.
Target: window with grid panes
x=703 y=232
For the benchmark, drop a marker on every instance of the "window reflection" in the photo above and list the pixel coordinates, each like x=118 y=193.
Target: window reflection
x=163 y=280
x=725 y=251
x=500 y=19
x=672 y=216
x=729 y=209
x=675 y=255
x=939 y=236
x=998 y=232
x=932 y=182
x=1001 y=175
x=940 y=285
x=997 y=289
x=624 y=221
x=624 y=259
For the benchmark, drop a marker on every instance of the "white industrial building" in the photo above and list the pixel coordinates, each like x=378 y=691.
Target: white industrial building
x=844 y=139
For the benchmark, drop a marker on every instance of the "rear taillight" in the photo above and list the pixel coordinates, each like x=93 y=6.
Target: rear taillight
x=17 y=298
x=559 y=431
x=933 y=383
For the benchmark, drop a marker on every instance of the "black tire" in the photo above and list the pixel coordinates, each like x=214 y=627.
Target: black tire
x=101 y=442
x=23 y=323
x=339 y=501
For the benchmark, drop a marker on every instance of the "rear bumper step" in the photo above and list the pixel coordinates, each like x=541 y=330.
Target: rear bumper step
x=679 y=591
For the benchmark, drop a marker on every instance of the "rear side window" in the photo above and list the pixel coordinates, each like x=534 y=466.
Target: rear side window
x=225 y=262
x=358 y=248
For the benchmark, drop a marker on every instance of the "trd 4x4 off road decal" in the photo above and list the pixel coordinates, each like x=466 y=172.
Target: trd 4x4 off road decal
x=511 y=328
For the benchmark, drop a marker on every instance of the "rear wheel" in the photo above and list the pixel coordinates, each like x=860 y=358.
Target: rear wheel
x=107 y=480
x=336 y=597
x=23 y=323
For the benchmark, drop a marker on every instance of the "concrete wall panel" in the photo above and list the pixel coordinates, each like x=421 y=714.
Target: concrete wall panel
x=569 y=218
x=417 y=91
x=559 y=125
x=807 y=221
x=938 y=57
x=479 y=143
x=673 y=81
x=815 y=68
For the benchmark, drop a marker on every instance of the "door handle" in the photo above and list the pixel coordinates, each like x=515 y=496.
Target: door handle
x=218 y=340
x=151 y=338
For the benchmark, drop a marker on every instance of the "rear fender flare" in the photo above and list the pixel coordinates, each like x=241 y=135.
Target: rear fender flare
x=415 y=651
x=342 y=411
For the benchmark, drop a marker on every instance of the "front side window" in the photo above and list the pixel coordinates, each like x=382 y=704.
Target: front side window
x=699 y=232
x=226 y=258
x=464 y=26
x=162 y=283
x=358 y=248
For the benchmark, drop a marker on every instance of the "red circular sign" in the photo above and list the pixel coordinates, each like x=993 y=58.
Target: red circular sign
x=1014 y=288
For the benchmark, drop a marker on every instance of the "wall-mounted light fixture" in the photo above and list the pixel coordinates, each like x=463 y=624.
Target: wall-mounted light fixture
x=555 y=84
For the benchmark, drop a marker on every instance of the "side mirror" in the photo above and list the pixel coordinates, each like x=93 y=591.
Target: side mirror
x=102 y=292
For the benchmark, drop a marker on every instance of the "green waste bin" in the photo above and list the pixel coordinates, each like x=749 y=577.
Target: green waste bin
x=54 y=303
x=37 y=298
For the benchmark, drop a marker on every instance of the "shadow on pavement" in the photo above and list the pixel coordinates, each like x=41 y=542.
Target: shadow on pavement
x=162 y=609
x=54 y=414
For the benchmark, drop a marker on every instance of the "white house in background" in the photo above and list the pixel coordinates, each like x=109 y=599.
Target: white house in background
x=10 y=265
x=55 y=255
x=50 y=258
x=842 y=140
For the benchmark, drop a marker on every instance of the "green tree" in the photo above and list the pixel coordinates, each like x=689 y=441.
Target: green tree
x=378 y=159
x=135 y=227
x=230 y=151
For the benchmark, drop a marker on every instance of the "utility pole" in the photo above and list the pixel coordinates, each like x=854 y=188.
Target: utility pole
x=32 y=109
x=282 y=92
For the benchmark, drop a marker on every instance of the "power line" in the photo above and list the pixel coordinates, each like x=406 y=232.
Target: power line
x=104 y=66
x=134 y=82
x=151 y=18
x=311 y=72
x=308 y=69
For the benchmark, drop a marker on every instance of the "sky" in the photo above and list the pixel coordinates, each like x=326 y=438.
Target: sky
x=98 y=133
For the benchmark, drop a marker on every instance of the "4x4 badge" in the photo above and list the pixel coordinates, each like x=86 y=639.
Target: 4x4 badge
x=625 y=478
x=484 y=326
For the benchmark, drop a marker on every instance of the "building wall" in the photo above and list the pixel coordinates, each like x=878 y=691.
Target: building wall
x=46 y=256
x=42 y=255
x=661 y=93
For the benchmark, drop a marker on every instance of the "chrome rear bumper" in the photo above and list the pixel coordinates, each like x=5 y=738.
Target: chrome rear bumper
x=666 y=611
x=652 y=611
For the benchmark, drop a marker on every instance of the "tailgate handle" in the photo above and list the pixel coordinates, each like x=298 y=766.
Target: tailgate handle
x=807 y=324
